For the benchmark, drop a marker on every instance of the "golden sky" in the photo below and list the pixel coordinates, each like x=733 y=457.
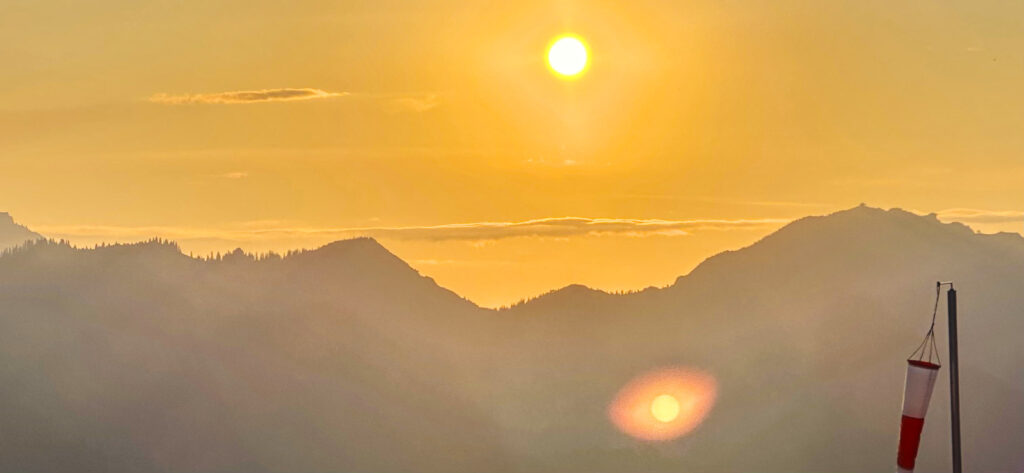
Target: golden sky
x=437 y=127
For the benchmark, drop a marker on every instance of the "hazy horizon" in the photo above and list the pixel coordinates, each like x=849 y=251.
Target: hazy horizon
x=498 y=287
x=272 y=125
x=137 y=358
x=530 y=236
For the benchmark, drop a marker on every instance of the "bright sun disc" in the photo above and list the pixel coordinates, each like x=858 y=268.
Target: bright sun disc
x=568 y=56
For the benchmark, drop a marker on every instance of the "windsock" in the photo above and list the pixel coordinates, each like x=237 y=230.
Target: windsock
x=921 y=377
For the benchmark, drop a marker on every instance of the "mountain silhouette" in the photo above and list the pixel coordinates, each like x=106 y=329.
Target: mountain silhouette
x=12 y=234
x=139 y=358
x=806 y=331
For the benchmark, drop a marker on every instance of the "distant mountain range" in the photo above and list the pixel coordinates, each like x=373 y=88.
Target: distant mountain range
x=139 y=358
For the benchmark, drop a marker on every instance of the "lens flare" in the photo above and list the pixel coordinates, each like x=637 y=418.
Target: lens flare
x=664 y=404
x=665 y=408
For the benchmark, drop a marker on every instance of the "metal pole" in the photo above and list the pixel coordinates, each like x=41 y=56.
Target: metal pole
x=954 y=380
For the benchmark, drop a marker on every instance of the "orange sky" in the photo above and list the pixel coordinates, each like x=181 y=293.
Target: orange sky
x=698 y=127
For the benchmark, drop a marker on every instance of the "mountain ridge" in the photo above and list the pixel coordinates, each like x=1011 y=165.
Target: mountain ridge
x=370 y=253
x=14 y=234
x=871 y=219
x=344 y=358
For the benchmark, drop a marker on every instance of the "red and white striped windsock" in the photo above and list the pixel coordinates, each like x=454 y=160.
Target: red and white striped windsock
x=920 y=383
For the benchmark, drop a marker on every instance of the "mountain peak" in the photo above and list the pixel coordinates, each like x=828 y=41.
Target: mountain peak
x=570 y=294
x=362 y=252
x=364 y=243
x=12 y=234
x=863 y=217
x=364 y=265
x=360 y=248
x=856 y=237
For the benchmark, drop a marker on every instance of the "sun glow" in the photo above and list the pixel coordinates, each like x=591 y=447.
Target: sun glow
x=567 y=56
x=663 y=404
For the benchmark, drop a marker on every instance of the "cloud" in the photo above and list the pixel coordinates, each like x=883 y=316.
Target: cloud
x=561 y=227
x=417 y=104
x=235 y=175
x=394 y=103
x=982 y=216
x=246 y=96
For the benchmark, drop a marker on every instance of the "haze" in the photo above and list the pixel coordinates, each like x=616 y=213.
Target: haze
x=698 y=127
x=785 y=356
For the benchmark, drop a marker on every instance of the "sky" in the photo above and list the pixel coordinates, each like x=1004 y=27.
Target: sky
x=437 y=127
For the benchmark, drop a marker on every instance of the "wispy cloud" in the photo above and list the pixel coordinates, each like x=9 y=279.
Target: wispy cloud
x=246 y=96
x=562 y=227
x=235 y=175
x=982 y=216
x=415 y=103
x=394 y=103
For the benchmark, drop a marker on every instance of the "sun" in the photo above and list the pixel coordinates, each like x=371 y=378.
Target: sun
x=665 y=408
x=567 y=56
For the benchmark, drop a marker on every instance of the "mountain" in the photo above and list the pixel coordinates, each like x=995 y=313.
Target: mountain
x=138 y=358
x=12 y=234
x=806 y=332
